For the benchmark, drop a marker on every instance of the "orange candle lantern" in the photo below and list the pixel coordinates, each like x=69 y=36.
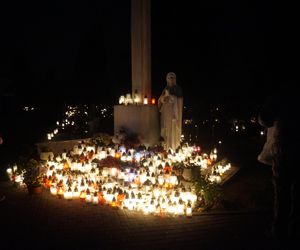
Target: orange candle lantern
x=90 y=155
x=114 y=202
x=101 y=198
x=45 y=180
x=209 y=162
x=117 y=155
x=167 y=168
x=48 y=182
x=66 y=165
x=60 y=192
x=153 y=101
x=120 y=198
x=82 y=195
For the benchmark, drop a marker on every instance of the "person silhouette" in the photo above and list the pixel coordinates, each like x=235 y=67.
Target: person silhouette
x=277 y=115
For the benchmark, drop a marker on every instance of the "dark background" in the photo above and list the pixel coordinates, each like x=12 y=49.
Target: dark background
x=231 y=54
x=81 y=50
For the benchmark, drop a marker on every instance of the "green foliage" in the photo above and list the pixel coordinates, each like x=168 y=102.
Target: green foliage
x=101 y=139
x=31 y=174
x=208 y=191
x=178 y=165
x=127 y=138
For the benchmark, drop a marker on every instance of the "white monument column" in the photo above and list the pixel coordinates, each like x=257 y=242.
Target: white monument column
x=141 y=47
x=140 y=119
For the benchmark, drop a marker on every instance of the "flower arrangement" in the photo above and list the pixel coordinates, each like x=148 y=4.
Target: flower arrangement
x=110 y=162
x=207 y=191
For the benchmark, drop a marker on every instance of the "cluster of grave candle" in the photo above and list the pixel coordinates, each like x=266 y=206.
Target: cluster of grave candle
x=145 y=181
x=217 y=172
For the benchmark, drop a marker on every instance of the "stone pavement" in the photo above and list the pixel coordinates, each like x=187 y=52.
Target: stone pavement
x=44 y=221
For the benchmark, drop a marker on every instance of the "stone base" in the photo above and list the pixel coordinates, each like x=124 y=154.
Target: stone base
x=57 y=147
x=140 y=119
x=45 y=156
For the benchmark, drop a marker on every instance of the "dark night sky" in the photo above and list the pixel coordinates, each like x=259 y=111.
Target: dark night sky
x=222 y=47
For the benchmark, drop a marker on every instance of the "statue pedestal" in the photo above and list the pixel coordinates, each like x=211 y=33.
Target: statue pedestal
x=140 y=119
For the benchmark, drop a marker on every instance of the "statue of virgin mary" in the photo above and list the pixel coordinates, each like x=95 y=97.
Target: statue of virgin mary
x=170 y=105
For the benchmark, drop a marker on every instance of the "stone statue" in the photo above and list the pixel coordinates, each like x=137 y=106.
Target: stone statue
x=170 y=106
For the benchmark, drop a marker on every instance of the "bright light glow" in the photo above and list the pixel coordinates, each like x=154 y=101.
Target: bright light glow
x=152 y=187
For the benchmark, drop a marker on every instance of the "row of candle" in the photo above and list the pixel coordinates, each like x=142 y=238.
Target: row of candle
x=157 y=201
x=136 y=99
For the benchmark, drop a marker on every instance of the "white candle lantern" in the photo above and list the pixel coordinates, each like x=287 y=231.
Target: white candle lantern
x=153 y=179
x=152 y=207
x=53 y=190
x=143 y=177
x=145 y=100
x=189 y=210
x=131 y=176
x=137 y=157
x=9 y=171
x=76 y=193
x=128 y=99
x=173 y=180
x=160 y=180
x=175 y=198
x=102 y=154
x=147 y=186
x=113 y=172
x=68 y=194
x=156 y=192
x=18 y=179
x=109 y=196
x=105 y=172
x=180 y=207
x=82 y=186
x=126 y=177
x=122 y=99
x=136 y=98
x=170 y=208
x=88 y=197
x=146 y=209
x=128 y=158
x=112 y=152
x=151 y=167
x=95 y=199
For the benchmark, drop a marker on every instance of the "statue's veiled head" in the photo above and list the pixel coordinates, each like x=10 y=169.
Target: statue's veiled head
x=171 y=79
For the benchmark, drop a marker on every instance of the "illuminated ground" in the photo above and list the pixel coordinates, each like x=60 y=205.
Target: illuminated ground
x=44 y=221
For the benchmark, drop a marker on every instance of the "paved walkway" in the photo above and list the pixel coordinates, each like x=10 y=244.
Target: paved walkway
x=44 y=221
